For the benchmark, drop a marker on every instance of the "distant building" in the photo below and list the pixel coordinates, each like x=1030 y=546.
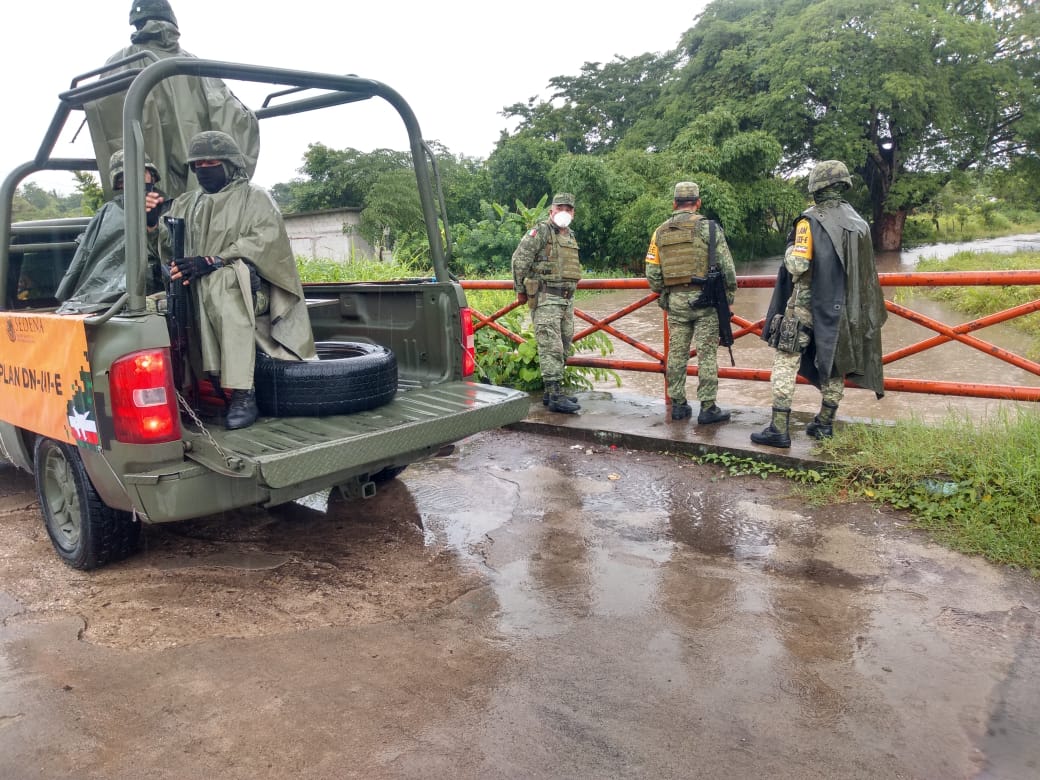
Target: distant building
x=330 y=235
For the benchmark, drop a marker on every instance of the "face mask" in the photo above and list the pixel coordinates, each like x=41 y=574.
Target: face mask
x=562 y=218
x=212 y=178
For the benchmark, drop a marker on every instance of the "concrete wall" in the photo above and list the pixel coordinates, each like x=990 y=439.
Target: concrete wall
x=320 y=235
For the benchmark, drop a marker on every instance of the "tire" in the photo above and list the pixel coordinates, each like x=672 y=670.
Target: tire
x=85 y=532
x=348 y=377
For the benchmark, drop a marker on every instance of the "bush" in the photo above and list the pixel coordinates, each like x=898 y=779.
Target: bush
x=501 y=361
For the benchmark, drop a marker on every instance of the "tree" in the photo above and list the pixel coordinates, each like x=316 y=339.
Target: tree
x=336 y=178
x=90 y=190
x=519 y=167
x=901 y=91
x=592 y=112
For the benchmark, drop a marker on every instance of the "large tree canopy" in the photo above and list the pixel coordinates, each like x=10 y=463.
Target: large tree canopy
x=900 y=90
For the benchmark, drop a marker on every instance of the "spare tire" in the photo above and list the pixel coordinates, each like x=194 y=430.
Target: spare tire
x=348 y=377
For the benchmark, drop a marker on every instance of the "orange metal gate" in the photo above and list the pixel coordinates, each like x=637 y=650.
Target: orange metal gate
x=742 y=327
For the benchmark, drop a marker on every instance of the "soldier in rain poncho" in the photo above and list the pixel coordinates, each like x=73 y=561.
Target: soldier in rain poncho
x=175 y=110
x=96 y=277
x=246 y=289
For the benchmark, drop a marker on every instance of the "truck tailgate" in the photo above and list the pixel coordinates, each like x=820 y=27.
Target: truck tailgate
x=286 y=451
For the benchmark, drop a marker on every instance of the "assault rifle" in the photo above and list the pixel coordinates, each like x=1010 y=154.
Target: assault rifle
x=713 y=293
x=177 y=306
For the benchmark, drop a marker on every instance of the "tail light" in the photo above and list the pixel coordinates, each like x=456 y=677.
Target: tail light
x=469 y=359
x=144 y=405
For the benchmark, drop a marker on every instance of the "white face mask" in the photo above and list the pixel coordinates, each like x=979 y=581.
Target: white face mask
x=562 y=218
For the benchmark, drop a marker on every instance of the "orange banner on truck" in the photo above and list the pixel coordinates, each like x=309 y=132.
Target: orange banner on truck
x=45 y=380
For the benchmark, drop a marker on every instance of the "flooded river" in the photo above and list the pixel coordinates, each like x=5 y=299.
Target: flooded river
x=953 y=362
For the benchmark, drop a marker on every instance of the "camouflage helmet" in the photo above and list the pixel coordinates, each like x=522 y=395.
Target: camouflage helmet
x=143 y=10
x=563 y=199
x=686 y=190
x=829 y=172
x=215 y=145
x=116 y=166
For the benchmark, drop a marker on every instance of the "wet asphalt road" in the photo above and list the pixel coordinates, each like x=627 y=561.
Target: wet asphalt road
x=529 y=607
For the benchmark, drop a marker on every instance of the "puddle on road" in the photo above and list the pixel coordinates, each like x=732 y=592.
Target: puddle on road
x=819 y=619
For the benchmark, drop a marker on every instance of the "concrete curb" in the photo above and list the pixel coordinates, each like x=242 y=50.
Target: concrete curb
x=641 y=423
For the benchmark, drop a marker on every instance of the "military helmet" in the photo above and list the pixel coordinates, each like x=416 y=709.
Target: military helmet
x=116 y=166
x=829 y=172
x=215 y=145
x=686 y=190
x=143 y=10
x=563 y=199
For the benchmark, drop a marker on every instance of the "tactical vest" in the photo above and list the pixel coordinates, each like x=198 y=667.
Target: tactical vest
x=558 y=260
x=680 y=249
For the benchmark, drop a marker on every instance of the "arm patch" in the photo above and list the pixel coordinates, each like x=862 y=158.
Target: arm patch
x=803 y=240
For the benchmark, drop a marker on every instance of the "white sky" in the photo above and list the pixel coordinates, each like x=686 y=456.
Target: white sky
x=457 y=63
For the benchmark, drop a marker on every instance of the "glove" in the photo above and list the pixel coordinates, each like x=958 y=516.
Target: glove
x=521 y=297
x=195 y=267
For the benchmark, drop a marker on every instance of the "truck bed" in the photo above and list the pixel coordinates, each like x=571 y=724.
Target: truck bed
x=286 y=458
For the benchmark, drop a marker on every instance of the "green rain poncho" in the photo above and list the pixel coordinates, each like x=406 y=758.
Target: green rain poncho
x=242 y=222
x=97 y=275
x=174 y=112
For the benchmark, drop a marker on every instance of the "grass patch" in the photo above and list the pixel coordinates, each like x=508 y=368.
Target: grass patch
x=358 y=270
x=980 y=301
x=974 y=484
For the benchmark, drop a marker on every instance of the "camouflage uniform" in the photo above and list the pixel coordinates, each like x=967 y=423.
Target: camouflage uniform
x=814 y=254
x=545 y=267
x=687 y=324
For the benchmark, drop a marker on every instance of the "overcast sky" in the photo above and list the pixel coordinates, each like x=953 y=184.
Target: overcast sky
x=457 y=63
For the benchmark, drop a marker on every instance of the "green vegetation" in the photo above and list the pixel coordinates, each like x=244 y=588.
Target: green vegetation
x=979 y=301
x=931 y=103
x=359 y=269
x=501 y=361
x=974 y=484
x=740 y=466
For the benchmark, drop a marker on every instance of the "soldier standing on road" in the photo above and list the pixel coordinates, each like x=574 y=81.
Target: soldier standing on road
x=175 y=110
x=827 y=309
x=546 y=272
x=677 y=257
x=241 y=269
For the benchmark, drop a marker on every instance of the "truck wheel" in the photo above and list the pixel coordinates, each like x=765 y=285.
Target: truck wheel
x=348 y=377
x=86 y=533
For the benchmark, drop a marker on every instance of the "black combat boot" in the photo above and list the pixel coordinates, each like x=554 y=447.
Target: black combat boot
x=710 y=413
x=242 y=412
x=822 y=425
x=681 y=410
x=558 y=402
x=545 y=398
x=776 y=434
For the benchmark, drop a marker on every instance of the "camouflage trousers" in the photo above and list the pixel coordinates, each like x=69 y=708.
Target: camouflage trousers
x=785 y=375
x=701 y=327
x=553 y=320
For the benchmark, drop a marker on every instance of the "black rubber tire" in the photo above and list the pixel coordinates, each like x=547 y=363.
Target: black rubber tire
x=85 y=532
x=348 y=377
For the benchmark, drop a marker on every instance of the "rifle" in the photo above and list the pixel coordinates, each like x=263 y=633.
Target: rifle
x=177 y=306
x=713 y=293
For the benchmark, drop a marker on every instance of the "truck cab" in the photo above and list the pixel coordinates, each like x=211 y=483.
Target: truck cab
x=88 y=402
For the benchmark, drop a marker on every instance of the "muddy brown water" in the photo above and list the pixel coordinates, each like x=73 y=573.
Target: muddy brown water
x=952 y=362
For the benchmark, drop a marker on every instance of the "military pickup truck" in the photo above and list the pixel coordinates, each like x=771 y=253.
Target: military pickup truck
x=88 y=403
